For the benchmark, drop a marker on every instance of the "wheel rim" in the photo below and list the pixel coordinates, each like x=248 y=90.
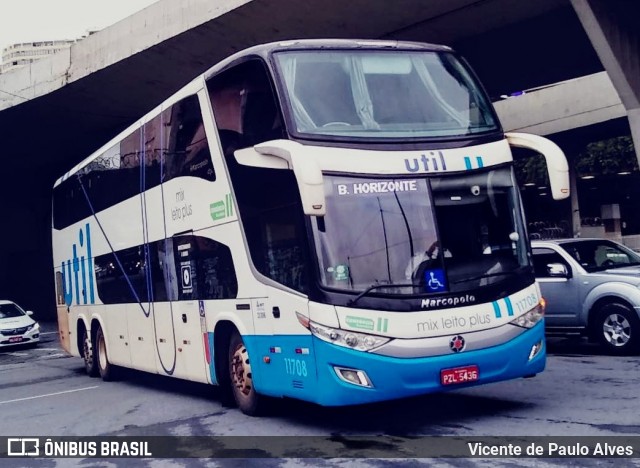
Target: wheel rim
x=241 y=377
x=102 y=353
x=617 y=330
x=88 y=352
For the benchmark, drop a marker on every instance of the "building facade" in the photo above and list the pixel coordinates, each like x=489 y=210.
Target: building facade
x=24 y=53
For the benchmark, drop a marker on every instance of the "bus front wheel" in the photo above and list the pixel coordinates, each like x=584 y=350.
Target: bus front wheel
x=244 y=392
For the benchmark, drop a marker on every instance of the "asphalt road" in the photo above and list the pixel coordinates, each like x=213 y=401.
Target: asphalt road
x=44 y=392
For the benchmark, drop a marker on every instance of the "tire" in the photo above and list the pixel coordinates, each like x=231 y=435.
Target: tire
x=240 y=376
x=225 y=394
x=105 y=368
x=617 y=329
x=88 y=355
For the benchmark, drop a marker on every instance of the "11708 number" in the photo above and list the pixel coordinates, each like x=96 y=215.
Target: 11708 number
x=295 y=367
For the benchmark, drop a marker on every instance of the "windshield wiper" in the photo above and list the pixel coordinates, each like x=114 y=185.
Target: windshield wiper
x=377 y=286
x=489 y=275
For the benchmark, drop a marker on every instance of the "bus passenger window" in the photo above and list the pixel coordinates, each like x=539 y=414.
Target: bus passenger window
x=186 y=149
x=274 y=226
x=204 y=269
x=245 y=107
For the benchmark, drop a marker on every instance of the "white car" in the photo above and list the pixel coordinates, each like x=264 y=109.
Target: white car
x=17 y=326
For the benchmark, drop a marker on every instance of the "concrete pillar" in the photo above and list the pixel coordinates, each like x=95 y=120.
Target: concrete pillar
x=612 y=27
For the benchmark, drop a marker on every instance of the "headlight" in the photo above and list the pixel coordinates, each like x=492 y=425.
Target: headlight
x=348 y=339
x=532 y=317
x=345 y=338
x=32 y=326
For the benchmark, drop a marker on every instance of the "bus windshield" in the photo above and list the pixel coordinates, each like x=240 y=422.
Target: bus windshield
x=382 y=94
x=422 y=235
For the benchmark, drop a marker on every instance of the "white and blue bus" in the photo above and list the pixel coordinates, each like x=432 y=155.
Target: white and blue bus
x=336 y=221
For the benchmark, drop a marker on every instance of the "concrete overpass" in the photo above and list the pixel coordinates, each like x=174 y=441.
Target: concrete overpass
x=54 y=112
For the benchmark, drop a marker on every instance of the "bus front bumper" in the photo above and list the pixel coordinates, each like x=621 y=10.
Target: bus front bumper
x=392 y=378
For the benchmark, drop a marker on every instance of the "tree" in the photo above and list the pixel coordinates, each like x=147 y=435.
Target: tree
x=607 y=157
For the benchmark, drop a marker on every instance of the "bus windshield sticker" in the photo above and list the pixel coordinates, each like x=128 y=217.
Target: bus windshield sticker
x=434 y=280
x=381 y=186
x=361 y=323
x=341 y=273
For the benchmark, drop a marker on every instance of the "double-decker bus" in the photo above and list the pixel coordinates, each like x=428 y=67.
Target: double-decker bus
x=336 y=221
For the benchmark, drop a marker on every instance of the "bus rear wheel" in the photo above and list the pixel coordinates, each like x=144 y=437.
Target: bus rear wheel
x=105 y=368
x=90 y=364
x=241 y=377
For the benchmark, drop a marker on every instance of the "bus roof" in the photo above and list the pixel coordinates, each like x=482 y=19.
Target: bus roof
x=264 y=50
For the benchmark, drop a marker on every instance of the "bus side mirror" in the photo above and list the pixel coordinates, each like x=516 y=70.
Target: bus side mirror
x=286 y=154
x=557 y=166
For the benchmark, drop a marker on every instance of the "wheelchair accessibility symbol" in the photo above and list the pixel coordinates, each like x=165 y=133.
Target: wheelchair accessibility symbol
x=434 y=280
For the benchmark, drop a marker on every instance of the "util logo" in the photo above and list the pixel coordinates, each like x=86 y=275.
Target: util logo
x=77 y=272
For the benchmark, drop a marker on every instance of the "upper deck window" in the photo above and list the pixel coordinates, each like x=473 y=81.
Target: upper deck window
x=382 y=94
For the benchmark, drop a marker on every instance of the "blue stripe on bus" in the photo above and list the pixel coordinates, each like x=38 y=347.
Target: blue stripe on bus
x=479 y=161
x=509 y=306
x=212 y=361
x=496 y=309
x=467 y=162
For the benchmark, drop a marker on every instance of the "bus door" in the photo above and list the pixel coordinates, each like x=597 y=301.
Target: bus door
x=158 y=254
x=186 y=310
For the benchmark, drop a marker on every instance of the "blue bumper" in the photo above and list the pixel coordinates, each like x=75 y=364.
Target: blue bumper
x=312 y=376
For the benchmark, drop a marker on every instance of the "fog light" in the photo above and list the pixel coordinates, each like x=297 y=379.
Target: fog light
x=535 y=350
x=353 y=376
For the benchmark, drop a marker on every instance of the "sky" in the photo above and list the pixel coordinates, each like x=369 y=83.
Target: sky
x=38 y=20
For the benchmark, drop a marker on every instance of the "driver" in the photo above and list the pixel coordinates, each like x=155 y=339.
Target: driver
x=422 y=260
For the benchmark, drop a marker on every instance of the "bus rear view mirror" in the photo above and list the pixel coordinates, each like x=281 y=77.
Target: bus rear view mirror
x=286 y=154
x=557 y=166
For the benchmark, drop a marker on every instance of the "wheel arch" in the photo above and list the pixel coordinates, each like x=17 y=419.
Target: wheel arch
x=222 y=332
x=624 y=293
x=90 y=324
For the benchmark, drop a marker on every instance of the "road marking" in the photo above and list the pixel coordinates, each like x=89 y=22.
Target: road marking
x=46 y=349
x=48 y=394
x=49 y=333
x=17 y=354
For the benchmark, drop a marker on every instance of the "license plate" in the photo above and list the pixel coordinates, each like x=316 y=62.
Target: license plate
x=15 y=339
x=459 y=375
